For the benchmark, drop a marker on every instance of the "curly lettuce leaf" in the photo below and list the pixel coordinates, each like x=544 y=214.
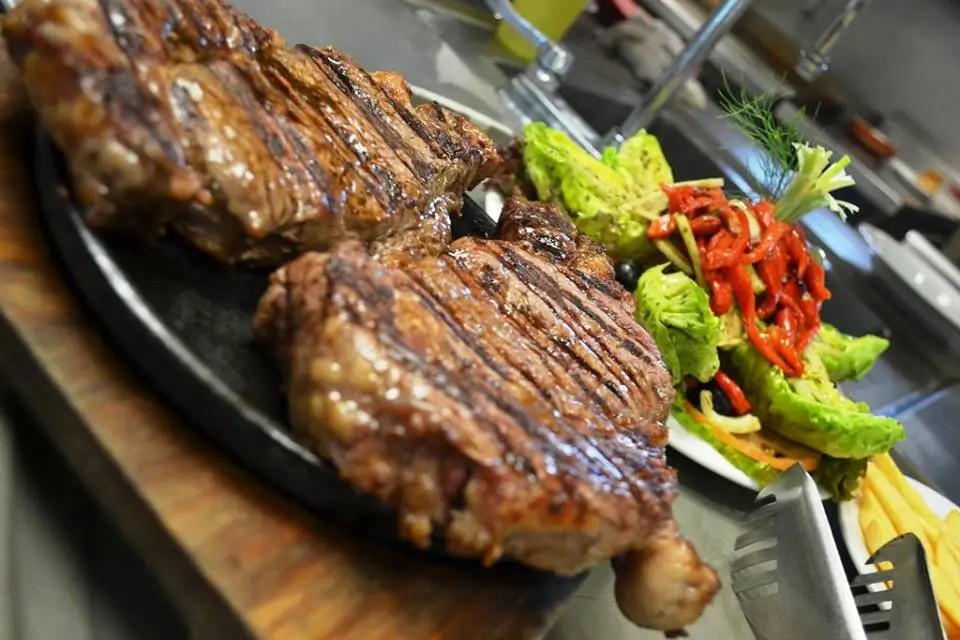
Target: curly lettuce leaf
x=846 y=357
x=640 y=159
x=676 y=312
x=759 y=471
x=840 y=476
x=810 y=409
x=604 y=202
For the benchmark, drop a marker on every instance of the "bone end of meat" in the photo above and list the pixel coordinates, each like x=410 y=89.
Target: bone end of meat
x=665 y=585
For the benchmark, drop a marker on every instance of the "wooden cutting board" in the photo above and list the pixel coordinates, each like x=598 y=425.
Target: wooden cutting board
x=238 y=560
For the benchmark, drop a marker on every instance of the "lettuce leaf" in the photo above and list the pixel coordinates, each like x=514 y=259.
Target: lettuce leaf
x=600 y=196
x=840 y=476
x=846 y=357
x=640 y=160
x=676 y=312
x=811 y=410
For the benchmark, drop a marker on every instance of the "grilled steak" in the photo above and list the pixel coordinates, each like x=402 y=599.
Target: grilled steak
x=501 y=393
x=188 y=114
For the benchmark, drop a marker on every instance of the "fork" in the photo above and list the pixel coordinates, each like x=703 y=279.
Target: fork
x=786 y=570
x=907 y=609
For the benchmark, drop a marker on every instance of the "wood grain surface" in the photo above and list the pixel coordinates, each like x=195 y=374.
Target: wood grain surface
x=238 y=560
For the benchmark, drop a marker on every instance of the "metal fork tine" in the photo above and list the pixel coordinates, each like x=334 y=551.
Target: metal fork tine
x=908 y=609
x=865 y=579
x=761 y=579
x=874 y=617
x=754 y=558
x=754 y=536
x=873 y=597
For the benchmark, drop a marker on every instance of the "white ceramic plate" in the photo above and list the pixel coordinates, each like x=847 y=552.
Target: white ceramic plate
x=915 y=274
x=933 y=256
x=706 y=456
x=849 y=516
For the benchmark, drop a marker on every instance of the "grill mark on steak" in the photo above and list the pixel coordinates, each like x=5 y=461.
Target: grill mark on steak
x=242 y=184
x=116 y=13
x=487 y=283
x=580 y=450
x=354 y=83
x=553 y=296
x=456 y=319
x=377 y=185
x=332 y=196
x=636 y=349
x=381 y=300
x=597 y=311
x=435 y=304
x=366 y=143
x=448 y=137
x=359 y=148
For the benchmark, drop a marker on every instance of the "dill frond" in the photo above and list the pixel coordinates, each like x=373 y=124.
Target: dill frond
x=755 y=117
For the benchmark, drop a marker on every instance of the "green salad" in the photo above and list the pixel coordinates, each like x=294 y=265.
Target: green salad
x=731 y=293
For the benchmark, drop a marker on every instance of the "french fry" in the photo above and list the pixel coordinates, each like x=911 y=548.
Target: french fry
x=918 y=506
x=948 y=566
x=872 y=513
x=947 y=597
x=953 y=631
x=898 y=511
x=876 y=534
x=890 y=506
x=952 y=523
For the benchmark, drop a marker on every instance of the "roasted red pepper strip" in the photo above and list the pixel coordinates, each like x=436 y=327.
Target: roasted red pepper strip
x=743 y=291
x=721 y=240
x=771 y=237
x=763 y=211
x=721 y=292
x=815 y=279
x=808 y=308
x=738 y=400
x=811 y=316
x=785 y=347
x=677 y=197
x=772 y=271
x=796 y=247
x=787 y=321
x=720 y=258
x=662 y=227
x=705 y=225
x=690 y=200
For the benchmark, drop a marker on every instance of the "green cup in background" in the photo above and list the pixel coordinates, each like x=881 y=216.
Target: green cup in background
x=552 y=17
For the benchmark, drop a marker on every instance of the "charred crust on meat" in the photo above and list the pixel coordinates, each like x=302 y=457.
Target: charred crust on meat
x=545 y=419
x=252 y=150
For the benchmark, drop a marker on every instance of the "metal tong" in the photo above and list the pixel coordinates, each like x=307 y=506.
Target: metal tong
x=790 y=581
x=787 y=572
x=898 y=602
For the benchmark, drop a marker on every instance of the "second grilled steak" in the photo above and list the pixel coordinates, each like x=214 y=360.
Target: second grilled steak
x=188 y=114
x=501 y=393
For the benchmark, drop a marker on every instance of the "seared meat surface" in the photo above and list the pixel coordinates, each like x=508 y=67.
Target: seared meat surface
x=501 y=393
x=188 y=114
x=498 y=392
